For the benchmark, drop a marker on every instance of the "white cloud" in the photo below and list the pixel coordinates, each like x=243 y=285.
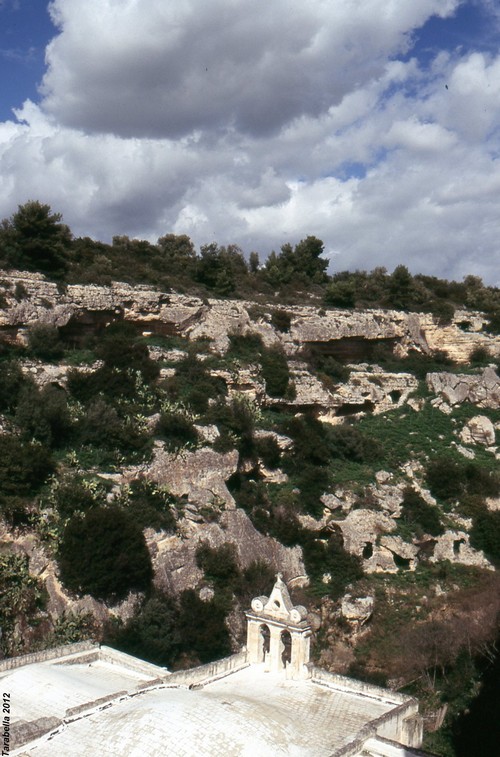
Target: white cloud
x=160 y=69
x=305 y=123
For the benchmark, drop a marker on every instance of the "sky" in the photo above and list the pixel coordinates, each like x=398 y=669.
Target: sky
x=371 y=124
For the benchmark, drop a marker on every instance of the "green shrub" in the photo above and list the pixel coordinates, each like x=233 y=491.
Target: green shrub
x=71 y=494
x=16 y=512
x=23 y=466
x=177 y=429
x=281 y=320
x=348 y=443
x=236 y=422
x=101 y=427
x=485 y=534
x=202 y=628
x=269 y=451
x=449 y=479
x=446 y=478
x=44 y=342
x=193 y=385
x=11 y=382
x=275 y=371
x=103 y=553
x=313 y=481
x=22 y=596
x=245 y=347
x=419 y=515
x=480 y=356
x=152 y=633
x=329 y=566
x=150 y=506
x=255 y=581
x=43 y=414
x=310 y=442
x=219 y=565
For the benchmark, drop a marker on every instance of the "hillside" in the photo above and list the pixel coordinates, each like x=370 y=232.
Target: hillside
x=163 y=454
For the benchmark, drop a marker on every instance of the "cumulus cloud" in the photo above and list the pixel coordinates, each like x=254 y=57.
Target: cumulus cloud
x=260 y=123
x=159 y=69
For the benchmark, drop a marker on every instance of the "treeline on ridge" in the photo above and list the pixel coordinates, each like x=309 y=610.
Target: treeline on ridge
x=36 y=239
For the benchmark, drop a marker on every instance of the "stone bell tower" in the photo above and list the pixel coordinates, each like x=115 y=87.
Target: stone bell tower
x=278 y=634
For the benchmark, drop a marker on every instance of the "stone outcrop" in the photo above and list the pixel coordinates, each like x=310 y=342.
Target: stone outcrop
x=198 y=476
x=479 y=430
x=455 y=547
x=357 y=611
x=342 y=333
x=482 y=390
x=174 y=557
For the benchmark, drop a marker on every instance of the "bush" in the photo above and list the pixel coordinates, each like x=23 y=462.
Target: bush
x=193 y=384
x=275 y=371
x=177 y=430
x=485 y=534
x=152 y=633
x=70 y=495
x=327 y=559
x=219 y=565
x=120 y=350
x=281 y=320
x=310 y=442
x=44 y=342
x=150 y=506
x=348 y=443
x=446 y=478
x=202 y=628
x=43 y=415
x=255 y=581
x=269 y=451
x=103 y=553
x=11 y=382
x=23 y=466
x=103 y=428
x=449 y=480
x=245 y=347
x=480 y=356
x=418 y=514
x=236 y=422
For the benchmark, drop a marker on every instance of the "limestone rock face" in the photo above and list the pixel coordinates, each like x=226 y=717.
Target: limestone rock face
x=174 y=557
x=357 y=611
x=170 y=313
x=479 y=430
x=363 y=526
x=482 y=390
x=454 y=546
x=199 y=476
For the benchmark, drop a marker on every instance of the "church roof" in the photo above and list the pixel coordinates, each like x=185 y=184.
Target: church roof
x=104 y=702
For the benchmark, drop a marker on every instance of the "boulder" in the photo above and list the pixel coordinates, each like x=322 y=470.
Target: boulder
x=479 y=430
x=358 y=610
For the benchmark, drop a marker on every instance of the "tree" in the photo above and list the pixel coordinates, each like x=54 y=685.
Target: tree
x=152 y=633
x=103 y=553
x=221 y=268
x=36 y=240
x=175 y=254
x=304 y=263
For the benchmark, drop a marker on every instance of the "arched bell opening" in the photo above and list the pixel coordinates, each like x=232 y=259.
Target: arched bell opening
x=286 y=648
x=264 y=641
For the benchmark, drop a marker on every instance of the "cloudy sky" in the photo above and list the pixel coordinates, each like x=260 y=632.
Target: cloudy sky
x=372 y=124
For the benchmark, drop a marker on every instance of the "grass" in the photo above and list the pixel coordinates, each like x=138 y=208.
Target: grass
x=408 y=434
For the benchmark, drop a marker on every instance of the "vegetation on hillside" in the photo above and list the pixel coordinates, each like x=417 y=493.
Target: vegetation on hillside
x=64 y=444
x=36 y=239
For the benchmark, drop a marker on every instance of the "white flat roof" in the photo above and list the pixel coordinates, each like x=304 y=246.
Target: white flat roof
x=248 y=713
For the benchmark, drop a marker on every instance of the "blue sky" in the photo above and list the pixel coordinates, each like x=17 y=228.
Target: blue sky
x=25 y=30
x=375 y=125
